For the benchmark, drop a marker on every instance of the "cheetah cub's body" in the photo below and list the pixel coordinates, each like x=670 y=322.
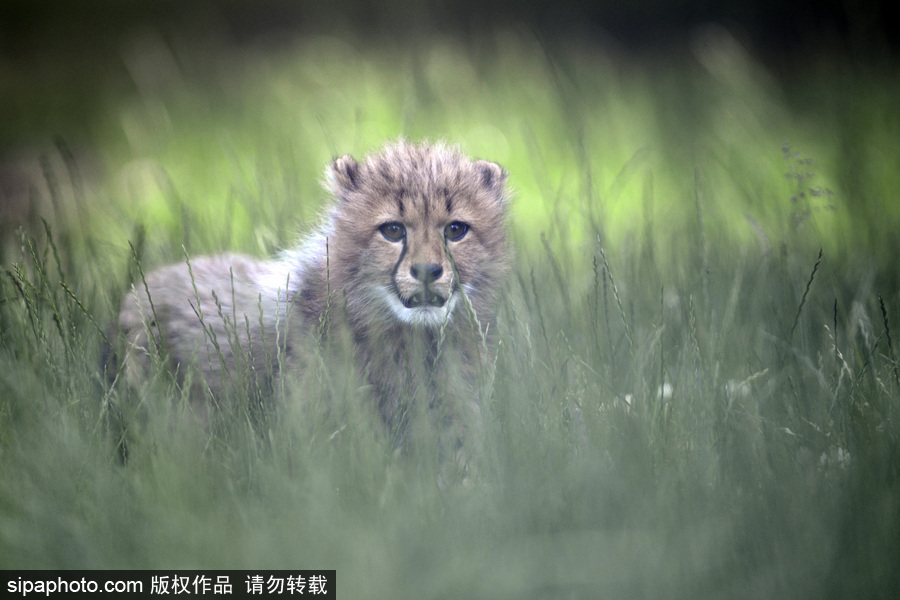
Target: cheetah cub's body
x=408 y=261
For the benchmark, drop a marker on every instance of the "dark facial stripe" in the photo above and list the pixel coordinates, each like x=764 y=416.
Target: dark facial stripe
x=396 y=267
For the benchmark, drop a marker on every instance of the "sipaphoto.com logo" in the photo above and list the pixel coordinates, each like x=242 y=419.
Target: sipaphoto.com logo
x=126 y=584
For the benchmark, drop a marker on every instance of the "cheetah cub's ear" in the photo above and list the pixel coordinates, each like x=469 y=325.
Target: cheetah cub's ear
x=493 y=177
x=343 y=175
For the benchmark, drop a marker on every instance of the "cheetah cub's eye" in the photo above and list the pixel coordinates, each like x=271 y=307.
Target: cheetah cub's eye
x=456 y=231
x=393 y=231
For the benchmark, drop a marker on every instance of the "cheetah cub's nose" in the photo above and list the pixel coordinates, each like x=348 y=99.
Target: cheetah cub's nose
x=426 y=273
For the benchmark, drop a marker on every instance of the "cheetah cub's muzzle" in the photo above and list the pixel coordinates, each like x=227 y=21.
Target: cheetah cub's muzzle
x=428 y=296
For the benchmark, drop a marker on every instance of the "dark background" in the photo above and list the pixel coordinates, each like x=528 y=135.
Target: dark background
x=774 y=26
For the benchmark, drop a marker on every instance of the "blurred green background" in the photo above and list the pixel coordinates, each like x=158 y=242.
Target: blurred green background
x=697 y=380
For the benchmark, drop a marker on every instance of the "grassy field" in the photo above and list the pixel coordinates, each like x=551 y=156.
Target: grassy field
x=696 y=392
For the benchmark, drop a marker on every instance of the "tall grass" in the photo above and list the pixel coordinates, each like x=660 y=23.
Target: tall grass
x=690 y=399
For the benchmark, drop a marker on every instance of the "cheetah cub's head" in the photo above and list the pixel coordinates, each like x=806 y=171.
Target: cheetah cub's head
x=416 y=226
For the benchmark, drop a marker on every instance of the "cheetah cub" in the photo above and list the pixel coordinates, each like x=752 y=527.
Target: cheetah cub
x=407 y=262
